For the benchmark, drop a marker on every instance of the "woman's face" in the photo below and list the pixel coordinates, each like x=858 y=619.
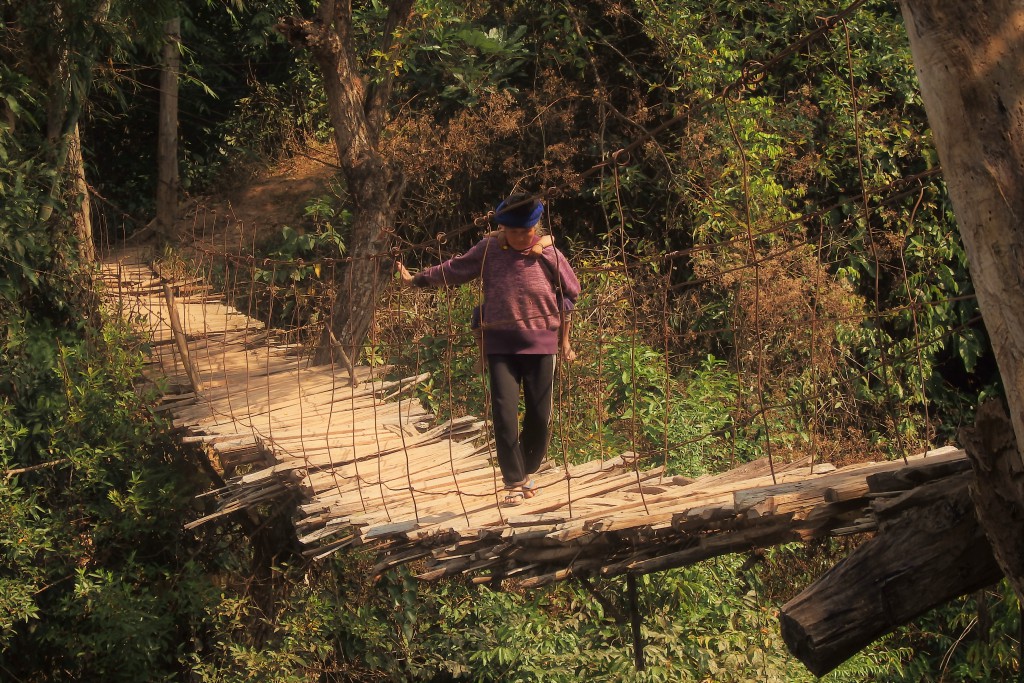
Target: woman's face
x=520 y=239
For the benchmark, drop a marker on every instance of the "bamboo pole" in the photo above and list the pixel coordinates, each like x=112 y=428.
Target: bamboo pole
x=179 y=338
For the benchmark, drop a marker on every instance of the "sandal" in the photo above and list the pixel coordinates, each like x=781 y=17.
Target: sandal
x=530 y=489
x=513 y=498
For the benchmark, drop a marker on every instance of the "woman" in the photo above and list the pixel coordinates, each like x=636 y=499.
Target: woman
x=527 y=300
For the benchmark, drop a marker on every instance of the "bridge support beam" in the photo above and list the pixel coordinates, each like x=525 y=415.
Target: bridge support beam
x=635 y=622
x=930 y=549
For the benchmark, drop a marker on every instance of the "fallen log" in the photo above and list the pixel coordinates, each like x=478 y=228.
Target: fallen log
x=929 y=550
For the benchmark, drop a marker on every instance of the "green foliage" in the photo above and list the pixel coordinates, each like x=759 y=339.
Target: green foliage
x=839 y=116
x=447 y=350
x=455 y=62
x=286 y=291
x=682 y=422
x=22 y=180
x=973 y=638
x=92 y=531
x=68 y=50
x=687 y=422
x=702 y=623
x=245 y=98
x=90 y=497
x=24 y=536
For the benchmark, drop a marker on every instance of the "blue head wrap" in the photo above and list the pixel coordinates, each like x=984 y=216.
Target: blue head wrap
x=526 y=215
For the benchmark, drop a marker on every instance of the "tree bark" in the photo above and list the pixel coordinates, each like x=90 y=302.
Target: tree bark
x=929 y=550
x=81 y=206
x=998 y=488
x=968 y=55
x=167 y=183
x=66 y=92
x=357 y=112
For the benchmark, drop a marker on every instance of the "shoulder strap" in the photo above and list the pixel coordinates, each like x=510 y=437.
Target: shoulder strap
x=553 y=278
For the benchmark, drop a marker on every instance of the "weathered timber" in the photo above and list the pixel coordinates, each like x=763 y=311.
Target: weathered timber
x=930 y=549
x=998 y=488
x=636 y=540
x=936 y=463
x=761 y=532
x=179 y=338
x=757 y=499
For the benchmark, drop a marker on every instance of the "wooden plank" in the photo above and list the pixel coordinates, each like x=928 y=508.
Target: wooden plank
x=749 y=498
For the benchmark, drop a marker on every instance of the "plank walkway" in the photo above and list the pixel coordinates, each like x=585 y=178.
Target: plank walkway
x=371 y=465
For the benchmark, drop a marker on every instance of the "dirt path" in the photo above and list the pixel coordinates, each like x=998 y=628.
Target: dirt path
x=258 y=209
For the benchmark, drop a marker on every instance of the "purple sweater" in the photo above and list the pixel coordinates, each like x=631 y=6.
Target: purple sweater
x=520 y=312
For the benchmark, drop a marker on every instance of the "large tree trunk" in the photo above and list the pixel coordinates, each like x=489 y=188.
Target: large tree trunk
x=357 y=113
x=998 y=488
x=81 y=206
x=167 y=139
x=65 y=141
x=968 y=56
x=67 y=90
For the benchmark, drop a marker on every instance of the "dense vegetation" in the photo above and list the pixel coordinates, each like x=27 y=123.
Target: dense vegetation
x=99 y=582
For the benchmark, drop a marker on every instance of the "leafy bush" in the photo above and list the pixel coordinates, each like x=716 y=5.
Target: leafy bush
x=707 y=622
x=91 y=551
x=289 y=281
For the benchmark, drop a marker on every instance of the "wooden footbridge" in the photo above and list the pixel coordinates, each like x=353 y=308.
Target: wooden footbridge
x=372 y=467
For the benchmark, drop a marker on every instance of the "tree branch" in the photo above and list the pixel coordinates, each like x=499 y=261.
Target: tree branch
x=33 y=468
x=378 y=94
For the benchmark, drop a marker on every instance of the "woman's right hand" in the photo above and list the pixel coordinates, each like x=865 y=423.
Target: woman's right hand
x=403 y=273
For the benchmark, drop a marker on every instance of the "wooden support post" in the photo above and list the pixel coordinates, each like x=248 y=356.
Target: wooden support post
x=336 y=347
x=179 y=339
x=635 y=618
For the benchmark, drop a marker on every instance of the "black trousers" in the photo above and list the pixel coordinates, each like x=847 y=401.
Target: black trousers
x=520 y=453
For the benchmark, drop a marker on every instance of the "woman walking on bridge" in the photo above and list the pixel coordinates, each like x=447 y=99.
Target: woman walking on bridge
x=527 y=301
